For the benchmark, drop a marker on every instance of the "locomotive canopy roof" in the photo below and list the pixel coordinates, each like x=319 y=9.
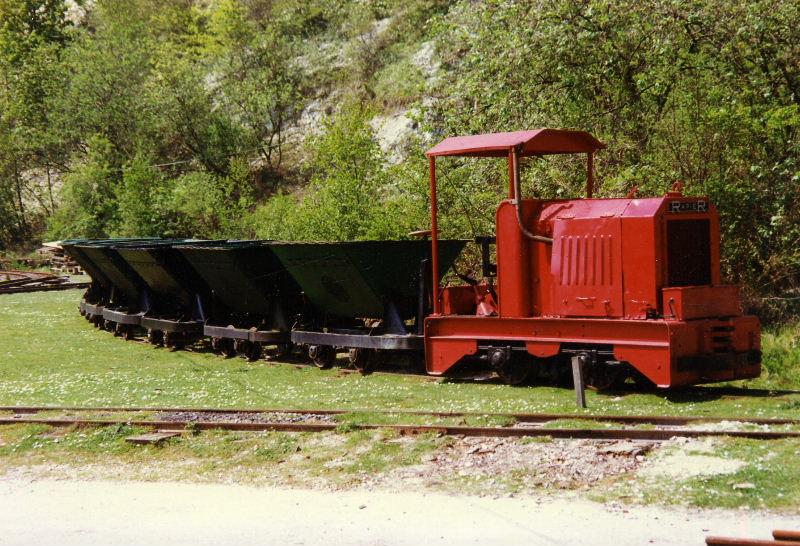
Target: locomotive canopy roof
x=533 y=142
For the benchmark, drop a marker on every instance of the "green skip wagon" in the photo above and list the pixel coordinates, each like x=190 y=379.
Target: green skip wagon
x=254 y=298
x=365 y=295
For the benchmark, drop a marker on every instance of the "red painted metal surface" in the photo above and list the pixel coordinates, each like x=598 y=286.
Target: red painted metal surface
x=534 y=142
x=434 y=239
x=638 y=278
x=693 y=302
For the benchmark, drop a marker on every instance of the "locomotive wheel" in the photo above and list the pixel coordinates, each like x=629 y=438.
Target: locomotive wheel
x=363 y=360
x=128 y=333
x=108 y=325
x=122 y=330
x=602 y=377
x=512 y=370
x=515 y=372
x=155 y=337
x=215 y=344
x=323 y=356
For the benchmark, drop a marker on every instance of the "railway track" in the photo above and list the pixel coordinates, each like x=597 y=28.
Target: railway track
x=323 y=420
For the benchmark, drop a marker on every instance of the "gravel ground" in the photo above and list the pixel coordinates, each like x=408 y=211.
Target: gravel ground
x=556 y=464
x=245 y=417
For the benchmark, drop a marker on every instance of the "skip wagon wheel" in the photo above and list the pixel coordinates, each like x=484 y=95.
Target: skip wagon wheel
x=123 y=330
x=248 y=349
x=254 y=352
x=155 y=337
x=282 y=350
x=226 y=347
x=323 y=356
x=174 y=340
x=363 y=360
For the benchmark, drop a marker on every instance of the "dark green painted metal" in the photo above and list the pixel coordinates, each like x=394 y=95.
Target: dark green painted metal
x=245 y=276
x=86 y=264
x=355 y=279
x=119 y=274
x=166 y=271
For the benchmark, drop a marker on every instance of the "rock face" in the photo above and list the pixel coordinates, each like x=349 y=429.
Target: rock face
x=393 y=132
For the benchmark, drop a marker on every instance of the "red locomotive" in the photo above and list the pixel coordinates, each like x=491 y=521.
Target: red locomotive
x=632 y=285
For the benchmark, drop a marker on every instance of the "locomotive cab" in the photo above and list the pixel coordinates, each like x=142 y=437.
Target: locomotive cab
x=634 y=283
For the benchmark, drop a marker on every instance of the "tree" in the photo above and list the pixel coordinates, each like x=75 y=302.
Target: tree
x=32 y=35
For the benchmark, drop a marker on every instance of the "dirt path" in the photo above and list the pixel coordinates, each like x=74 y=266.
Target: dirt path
x=130 y=513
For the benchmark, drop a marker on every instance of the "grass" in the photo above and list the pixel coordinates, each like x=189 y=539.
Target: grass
x=769 y=479
x=303 y=459
x=781 y=362
x=49 y=355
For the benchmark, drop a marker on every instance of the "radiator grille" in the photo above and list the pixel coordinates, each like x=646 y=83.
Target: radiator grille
x=688 y=253
x=586 y=260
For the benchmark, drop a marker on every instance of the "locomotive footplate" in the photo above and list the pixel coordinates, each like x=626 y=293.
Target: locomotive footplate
x=257 y=336
x=166 y=325
x=122 y=317
x=388 y=342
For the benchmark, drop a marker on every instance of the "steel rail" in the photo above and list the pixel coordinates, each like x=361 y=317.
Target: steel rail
x=731 y=541
x=453 y=430
x=519 y=417
x=782 y=534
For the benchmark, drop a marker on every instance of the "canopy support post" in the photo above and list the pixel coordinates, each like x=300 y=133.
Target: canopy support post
x=434 y=239
x=511 y=173
x=589 y=174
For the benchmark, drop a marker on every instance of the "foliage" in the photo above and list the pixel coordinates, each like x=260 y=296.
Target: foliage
x=144 y=116
x=32 y=36
x=704 y=92
x=88 y=198
x=349 y=196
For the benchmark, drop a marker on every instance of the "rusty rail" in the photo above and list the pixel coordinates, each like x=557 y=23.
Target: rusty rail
x=782 y=534
x=454 y=430
x=781 y=538
x=519 y=417
x=730 y=541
